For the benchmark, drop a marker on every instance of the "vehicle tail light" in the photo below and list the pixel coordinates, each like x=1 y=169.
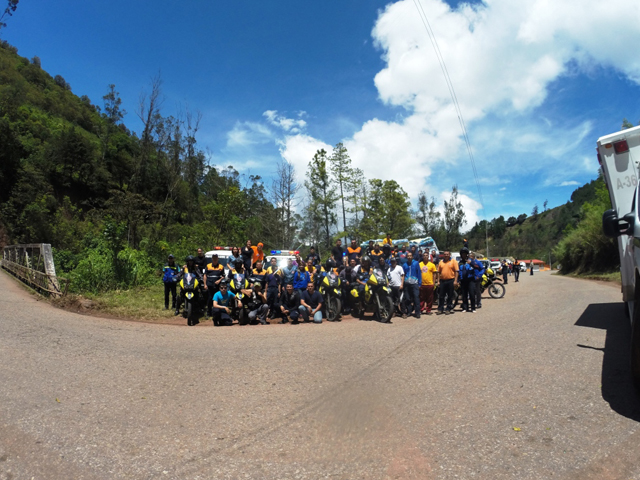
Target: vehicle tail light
x=621 y=147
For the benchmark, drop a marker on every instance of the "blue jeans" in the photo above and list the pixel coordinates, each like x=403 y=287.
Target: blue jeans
x=304 y=312
x=412 y=296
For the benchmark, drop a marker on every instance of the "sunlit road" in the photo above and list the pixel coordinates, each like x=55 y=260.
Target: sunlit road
x=532 y=386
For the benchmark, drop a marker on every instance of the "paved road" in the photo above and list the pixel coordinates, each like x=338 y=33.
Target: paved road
x=440 y=397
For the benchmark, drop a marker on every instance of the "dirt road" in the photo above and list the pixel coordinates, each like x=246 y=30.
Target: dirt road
x=532 y=386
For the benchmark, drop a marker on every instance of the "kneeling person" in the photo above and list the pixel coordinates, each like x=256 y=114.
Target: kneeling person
x=223 y=302
x=311 y=304
x=257 y=305
x=289 y=304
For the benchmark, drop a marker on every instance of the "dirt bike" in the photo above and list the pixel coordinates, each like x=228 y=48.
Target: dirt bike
x=492 y=283
x=237 y=284
x=375 y=298
x=189 y=290
x=329 y=288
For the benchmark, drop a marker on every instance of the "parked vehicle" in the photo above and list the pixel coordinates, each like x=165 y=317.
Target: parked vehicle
x=331 y=293
x=377 y=297
x=491 y=283
x=619 y=156
x=189 y=288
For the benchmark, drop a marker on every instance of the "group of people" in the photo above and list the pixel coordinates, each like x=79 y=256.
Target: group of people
x=254 y=290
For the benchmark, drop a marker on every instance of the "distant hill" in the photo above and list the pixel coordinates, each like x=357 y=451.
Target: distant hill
x=534 y=236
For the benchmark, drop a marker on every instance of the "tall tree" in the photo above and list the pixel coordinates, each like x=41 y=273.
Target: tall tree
x=357 y=196
x=388 y=210
x=342 y=173
x=322 y=196
x=427 y=216
x=113 y=113
x=454 y=217
x=283 y=192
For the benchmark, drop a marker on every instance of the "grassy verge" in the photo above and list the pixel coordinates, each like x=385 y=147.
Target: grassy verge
x=603 y=277
x=143 y=303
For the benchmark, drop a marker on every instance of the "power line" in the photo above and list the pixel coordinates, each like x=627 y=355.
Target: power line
x=454 y=98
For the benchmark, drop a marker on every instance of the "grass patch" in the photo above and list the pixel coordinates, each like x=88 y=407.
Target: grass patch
x=144 y=303
x=602 y=276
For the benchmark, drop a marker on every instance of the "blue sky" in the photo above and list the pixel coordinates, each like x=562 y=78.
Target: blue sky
x=281 y=79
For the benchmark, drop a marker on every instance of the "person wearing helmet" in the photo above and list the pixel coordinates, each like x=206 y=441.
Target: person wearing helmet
x=192 y=268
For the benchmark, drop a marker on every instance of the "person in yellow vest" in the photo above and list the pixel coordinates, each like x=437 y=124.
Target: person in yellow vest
x=387 y=240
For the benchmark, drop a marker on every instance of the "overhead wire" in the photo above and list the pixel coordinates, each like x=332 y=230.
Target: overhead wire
x=456 y=104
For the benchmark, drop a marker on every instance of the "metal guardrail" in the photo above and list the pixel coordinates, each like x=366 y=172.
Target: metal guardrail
x=33 y=264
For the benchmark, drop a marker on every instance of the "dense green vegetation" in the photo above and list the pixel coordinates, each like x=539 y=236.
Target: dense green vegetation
x=113 y=202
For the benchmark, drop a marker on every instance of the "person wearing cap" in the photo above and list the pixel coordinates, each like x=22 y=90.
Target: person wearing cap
x=213 y=276
x=258 y=254
x=170 y=274
x=396 y=283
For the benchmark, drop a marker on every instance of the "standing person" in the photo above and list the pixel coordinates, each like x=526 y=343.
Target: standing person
x=516 y=270
x=348 y=280
x=531 y=268
x=258 y=274
x=412 y=282
x=289 y=305
x=402 y=255
x=375 y=255
x=387 y=240
x=223 y=303
x=338 y=253
x=354 y=252
x=201 y=262
x=170 y=279
x=311 y=304
x=273 y=281
x=448 y=281
x=396 y=283
x=258 y=254
x=288 y=272
x=369 y=248
x=428 y=269
x=301 y=279
x=234 y=257
x=478 y=271
x=213 y=276
x=467 y=282
x=313 y=256
x=505 y=272
x=247 y=255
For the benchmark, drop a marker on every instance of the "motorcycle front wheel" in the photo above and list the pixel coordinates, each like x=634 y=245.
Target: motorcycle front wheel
x=496 y=290
x=334 y=307
x=385 y=310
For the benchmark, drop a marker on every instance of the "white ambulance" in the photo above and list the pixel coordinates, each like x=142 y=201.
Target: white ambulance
x=619 y=156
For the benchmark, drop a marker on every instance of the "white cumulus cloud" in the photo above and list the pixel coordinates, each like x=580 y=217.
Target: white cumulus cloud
x=290 y=125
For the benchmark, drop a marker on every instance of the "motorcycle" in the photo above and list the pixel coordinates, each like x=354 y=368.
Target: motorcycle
x=492 y=283
x=329 y=288
x=237 y=284
x=189 y=288
x=377 y=297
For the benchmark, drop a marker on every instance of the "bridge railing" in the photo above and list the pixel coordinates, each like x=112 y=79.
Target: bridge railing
x=33 y=264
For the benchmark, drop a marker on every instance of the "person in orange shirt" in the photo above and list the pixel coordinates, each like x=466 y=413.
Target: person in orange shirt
x=447 y=280
x=258 y=254
x=427 y=268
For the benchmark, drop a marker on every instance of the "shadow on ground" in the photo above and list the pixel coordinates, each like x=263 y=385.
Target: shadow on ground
x=617 y=385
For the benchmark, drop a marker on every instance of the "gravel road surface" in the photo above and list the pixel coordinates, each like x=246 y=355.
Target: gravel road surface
x=533 y=386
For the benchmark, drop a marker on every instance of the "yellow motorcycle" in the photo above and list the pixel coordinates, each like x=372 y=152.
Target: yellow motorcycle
x=331 y=294
x=492 y=283
x=377 y=297
x=189 y=288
